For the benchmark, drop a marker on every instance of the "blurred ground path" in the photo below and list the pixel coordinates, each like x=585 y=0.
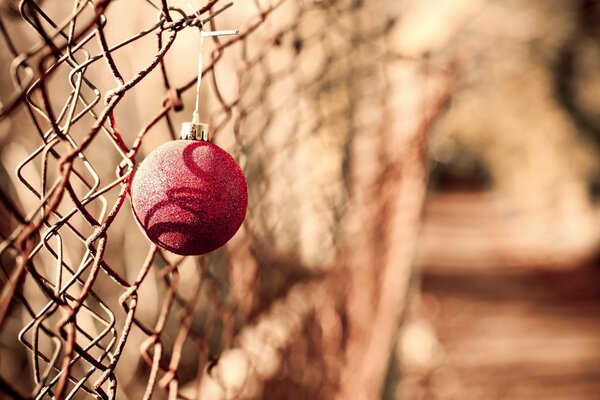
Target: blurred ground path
x=499 y=332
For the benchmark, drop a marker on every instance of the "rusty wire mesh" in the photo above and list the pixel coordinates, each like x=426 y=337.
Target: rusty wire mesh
x=90 y=85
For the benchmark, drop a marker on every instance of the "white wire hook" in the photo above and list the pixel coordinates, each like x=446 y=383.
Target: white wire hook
x=203 y=34
x=196 y=129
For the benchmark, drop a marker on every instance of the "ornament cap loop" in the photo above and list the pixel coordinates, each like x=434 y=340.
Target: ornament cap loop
x=194 y=131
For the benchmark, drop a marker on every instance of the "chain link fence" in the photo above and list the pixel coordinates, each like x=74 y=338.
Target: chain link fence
x=328 y=123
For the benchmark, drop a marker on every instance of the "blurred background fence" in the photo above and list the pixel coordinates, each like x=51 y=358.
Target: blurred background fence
x=336 y=110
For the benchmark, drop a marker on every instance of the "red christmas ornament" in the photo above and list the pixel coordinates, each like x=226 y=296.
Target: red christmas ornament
x=189 y=196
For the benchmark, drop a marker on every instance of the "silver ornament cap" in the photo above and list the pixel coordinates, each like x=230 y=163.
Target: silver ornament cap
x=194 y=131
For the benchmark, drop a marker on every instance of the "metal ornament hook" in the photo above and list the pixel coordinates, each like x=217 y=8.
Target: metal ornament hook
x=197 y=130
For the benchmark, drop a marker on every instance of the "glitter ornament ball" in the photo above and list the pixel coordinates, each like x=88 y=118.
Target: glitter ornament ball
x=190 y=197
